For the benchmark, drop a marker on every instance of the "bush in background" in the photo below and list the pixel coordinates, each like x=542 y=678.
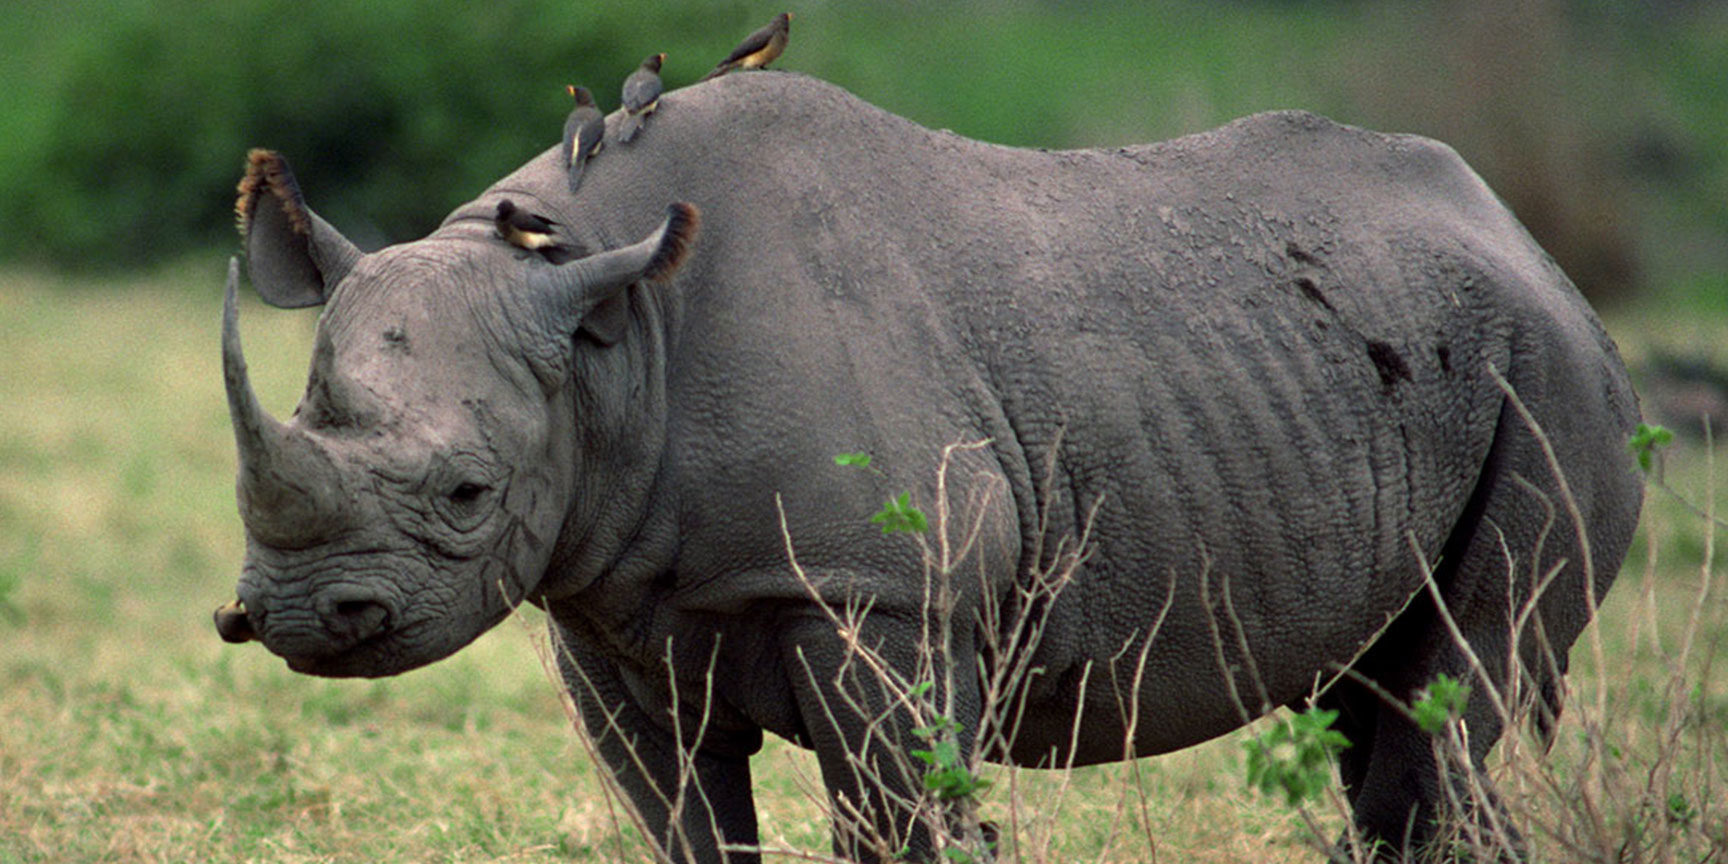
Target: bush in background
x=392 y=113
x=123 y=132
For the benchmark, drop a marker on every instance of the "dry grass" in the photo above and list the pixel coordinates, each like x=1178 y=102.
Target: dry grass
x=131 y=733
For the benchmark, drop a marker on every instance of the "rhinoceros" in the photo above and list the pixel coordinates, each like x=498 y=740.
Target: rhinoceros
x=1270 y=398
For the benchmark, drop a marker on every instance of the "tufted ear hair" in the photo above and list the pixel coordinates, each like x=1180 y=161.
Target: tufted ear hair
x=588 y=294
x=293 y=258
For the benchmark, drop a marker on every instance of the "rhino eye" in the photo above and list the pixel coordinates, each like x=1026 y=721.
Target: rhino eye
x=468 y=493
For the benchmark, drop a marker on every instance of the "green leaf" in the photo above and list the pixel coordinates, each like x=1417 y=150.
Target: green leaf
x=938 y=726
x=948 y=752
x=1295 y=757
x=856 y=460
x=1445 y=700
x=1645 y=440
x=951 y=783
x=899 y=515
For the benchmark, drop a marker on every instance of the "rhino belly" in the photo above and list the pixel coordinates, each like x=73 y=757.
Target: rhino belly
x=1256 y=498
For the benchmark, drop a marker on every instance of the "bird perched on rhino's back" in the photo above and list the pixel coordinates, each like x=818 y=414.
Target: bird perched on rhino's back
x=758 y=49
x=641 y=96
x=584 y=131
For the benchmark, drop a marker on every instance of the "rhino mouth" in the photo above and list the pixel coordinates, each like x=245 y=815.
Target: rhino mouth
x=359 y=661
x=342 y=634
x=375 y=656
x=344 y=629
x=383 y=654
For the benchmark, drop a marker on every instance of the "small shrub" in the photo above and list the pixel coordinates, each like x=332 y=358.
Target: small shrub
x=1444 y=701
x=1295 y=756
x=1645 y=440
x=948 y=777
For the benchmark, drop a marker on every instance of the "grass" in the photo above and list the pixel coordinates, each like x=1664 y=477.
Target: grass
x=131 y=733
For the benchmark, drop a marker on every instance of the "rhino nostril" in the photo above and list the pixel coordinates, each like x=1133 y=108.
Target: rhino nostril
x=353 y=614
x=354 y=608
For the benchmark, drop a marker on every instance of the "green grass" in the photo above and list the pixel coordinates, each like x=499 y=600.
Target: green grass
x=131 y=733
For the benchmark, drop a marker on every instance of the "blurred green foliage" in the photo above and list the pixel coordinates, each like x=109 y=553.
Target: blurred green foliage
x=392 y=113
x=126 y=124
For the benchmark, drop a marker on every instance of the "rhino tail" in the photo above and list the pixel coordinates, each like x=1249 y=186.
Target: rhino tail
x=677 y=235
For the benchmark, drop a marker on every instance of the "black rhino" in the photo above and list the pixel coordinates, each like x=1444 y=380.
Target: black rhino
x=1258 y=368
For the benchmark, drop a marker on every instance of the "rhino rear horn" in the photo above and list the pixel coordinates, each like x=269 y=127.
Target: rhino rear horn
x=293 y=257
x=589 y=293
x=290 y=493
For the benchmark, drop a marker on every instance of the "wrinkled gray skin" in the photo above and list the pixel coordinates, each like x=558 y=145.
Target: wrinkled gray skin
x=1261 y=354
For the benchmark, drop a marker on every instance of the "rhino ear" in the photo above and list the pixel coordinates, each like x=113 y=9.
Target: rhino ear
x=588 y=294
x=293 y=257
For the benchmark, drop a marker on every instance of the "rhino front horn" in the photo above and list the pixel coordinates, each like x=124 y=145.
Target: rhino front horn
x=289 y=490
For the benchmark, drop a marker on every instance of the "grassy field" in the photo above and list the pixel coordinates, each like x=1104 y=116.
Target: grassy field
x=128 y=732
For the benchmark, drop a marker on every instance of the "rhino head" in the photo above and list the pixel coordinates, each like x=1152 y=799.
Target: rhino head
x=419 y=489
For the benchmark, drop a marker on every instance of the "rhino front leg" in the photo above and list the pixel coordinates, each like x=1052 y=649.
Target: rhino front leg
x=861 y=727
x=716 y=808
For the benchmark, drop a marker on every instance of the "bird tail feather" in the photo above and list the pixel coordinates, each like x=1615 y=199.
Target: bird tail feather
x=631 y=125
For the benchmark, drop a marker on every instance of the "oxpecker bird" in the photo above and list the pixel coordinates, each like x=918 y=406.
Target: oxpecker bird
x=758 y=49
x=641 y=96
x=584 y=131
x=523 y=229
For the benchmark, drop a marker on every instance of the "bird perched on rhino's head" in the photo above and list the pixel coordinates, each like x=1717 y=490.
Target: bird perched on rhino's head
x=584 y=131
x=641 y=96
x=758 y=49
x=526 y=230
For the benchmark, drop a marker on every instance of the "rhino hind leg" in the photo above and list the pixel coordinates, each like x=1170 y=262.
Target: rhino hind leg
x=1513 y=531
x=1394 y=783
x=1397 y=788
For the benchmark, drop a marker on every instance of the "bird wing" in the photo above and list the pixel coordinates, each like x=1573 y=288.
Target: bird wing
x=588 y=138
x=641 y=89
x=572 y=127
x=754 y=42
